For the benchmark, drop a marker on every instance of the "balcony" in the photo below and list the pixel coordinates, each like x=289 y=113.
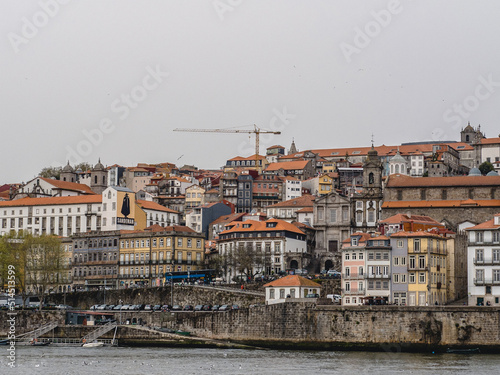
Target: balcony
x=353 y=292
x=480 y=282
x=377 y=276
x=353 y=276
x=417 y=268
x=486 y=262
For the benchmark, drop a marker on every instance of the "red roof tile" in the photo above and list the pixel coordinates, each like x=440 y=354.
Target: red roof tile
x=148 y=205
x=490 y=224
x=293 y=280
x=303 y=201
x=261 y=226
x=287 y=165
x=79 y=199
x=66 y=185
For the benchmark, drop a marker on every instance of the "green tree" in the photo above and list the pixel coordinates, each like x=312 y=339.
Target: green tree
x=83 y=166
x=51 y=172
x=39 y=262
x=486 y=167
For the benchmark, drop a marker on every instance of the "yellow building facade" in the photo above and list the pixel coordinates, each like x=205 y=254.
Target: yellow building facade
x=427 y=257
x=325 y=184
x=145 y=256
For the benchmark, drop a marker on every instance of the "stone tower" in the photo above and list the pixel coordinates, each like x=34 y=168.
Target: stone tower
x=98 y=178
x=68 y=174
x=366 y=205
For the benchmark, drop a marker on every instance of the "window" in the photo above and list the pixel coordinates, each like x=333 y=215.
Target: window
x=347 y=271
x=347 y=287
x=333 y=216
x=412 y=261
x=403 y=261
x=400 y=243
x=403 y=278
x=496 y=276
x=411 y=278
x=360 y=256
x=421 y=277
x=395 y=278
x=370 y=256
x=395 y=261
x=353 y=256
x=282 y=293
x=271 y=294
x=198 y=244
x=416 y=244
x=346 y=256
x=179 y=242
x=479 y=236
x=496 y=236
x=479 y=255
x=421 y=262
x=496 y=255
x=189 y=242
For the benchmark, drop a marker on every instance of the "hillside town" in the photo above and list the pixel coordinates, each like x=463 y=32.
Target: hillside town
x=415 y=224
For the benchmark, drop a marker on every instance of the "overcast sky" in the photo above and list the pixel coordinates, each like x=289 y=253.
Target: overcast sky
x=111 y=79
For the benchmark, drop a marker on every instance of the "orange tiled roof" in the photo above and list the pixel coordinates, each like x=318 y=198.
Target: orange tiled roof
x=66 y=185
x=275 y=146
x=47 y=201
x=306 y=210
x=286 y=165
x=400 y=218
x=293 y=280
x=490 y=224
x=489 y=141
x=228 y=218
x=443 y=203
x=148 y=205
x=303 y=201
x=251 y=157
x=261 y=226
x=407 y=181
x=415 y=234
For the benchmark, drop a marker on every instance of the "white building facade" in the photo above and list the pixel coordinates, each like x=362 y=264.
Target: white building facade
x=483 y=263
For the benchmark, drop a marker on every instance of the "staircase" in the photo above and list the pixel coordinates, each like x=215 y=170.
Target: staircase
x=28 y=336
x=99 y=332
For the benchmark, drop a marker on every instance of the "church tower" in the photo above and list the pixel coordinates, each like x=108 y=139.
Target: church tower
x=68 y=174
x=98 y=178
x=367 y=205
x=293 y=149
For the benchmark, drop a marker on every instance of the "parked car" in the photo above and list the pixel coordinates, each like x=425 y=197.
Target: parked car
x=235 y=307
x=110 y=307
x=166 y=308
x=125 y=307
x=206 y=307
x=117 y=307
x=215 y=307
x=188 y=308
x=225 y=308
x=156 y=308
x=63 y=307
x=94 y=307
x=312 y=295
x=198 y=307
x=334 y=274
x=148 y=307
x=176 y=308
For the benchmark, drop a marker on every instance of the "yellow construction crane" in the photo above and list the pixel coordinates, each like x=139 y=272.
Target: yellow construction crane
x=256 y=130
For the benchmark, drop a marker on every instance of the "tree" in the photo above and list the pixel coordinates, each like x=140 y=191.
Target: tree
x=38 y=262
x=83 y=167
x=486 y=167
x=44 y=264
x=51 y=172
x=216 y=262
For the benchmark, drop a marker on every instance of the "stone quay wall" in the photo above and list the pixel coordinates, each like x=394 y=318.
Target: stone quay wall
x=378 y=327
x=309 y=326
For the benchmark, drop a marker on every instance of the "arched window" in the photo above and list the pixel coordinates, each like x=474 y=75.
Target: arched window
x=397 y=168
x=371 y=179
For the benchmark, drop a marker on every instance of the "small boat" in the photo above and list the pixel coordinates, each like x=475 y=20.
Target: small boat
x=5 y=342
x=35 y=342
x=463 y=351
x=95 y=344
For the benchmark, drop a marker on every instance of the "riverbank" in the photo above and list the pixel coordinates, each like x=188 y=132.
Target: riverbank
x=299 y=326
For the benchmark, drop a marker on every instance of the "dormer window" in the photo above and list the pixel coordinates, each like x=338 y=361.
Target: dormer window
x=354 y=241
x=270 y=225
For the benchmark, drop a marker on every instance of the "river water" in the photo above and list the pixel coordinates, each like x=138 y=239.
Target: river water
x=125 y=361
